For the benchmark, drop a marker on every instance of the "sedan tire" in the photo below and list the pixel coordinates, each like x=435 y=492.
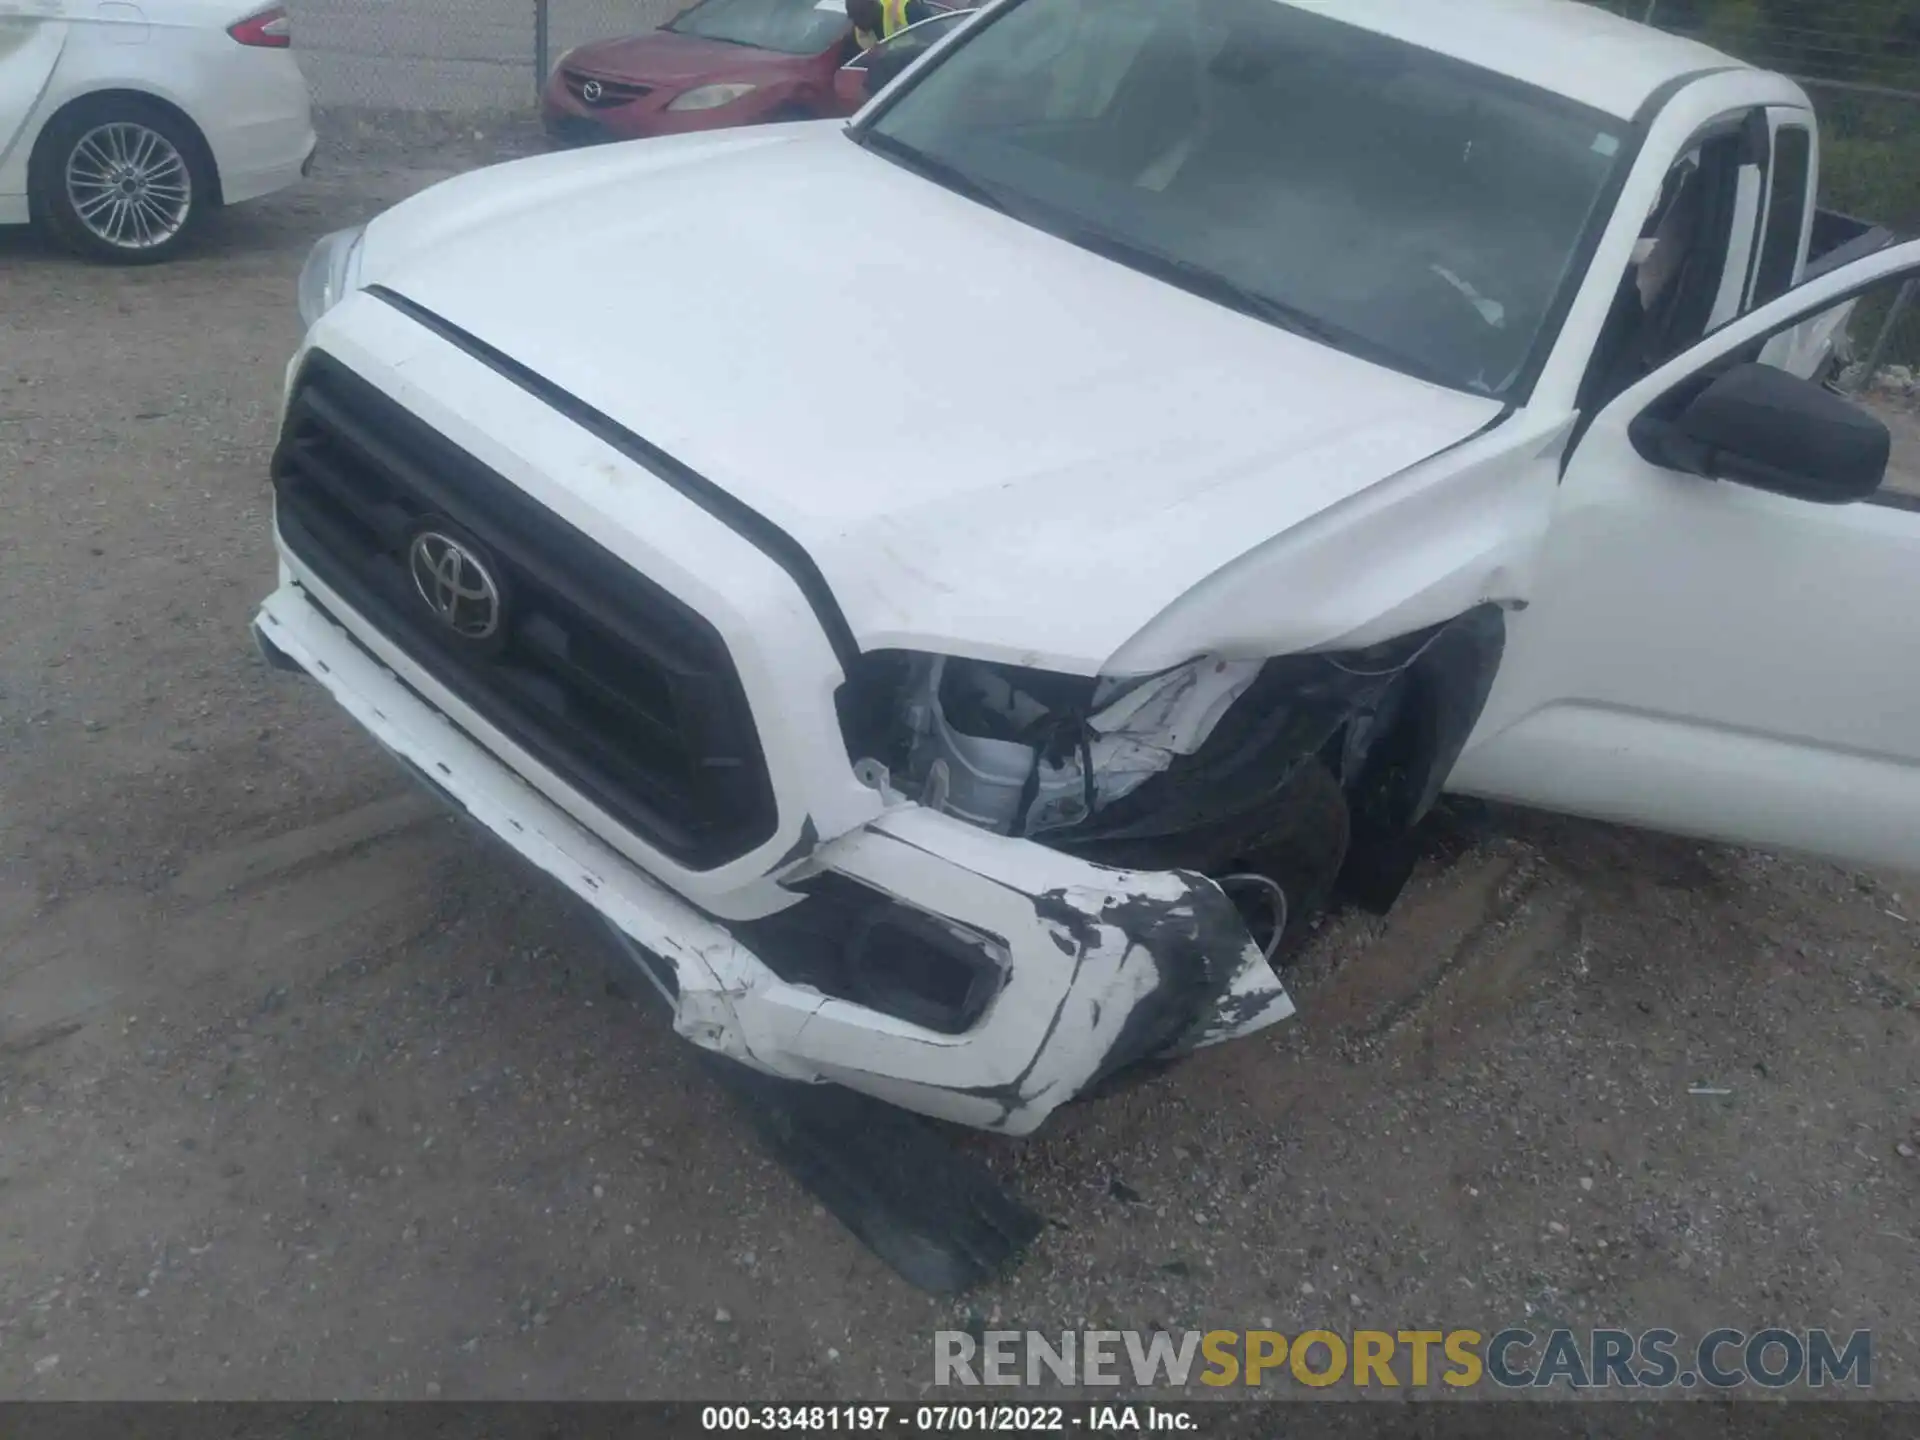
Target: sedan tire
x=122 y=181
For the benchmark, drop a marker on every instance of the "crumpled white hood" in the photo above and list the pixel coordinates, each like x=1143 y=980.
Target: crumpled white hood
x=993 y=443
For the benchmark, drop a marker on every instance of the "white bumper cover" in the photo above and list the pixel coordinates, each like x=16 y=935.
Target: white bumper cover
x=1100 y=966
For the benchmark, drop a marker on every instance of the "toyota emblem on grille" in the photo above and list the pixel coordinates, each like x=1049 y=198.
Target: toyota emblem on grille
x=591 y=92
x=455 y=585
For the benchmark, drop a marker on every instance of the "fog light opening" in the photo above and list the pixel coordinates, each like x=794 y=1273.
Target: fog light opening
x=908 y=965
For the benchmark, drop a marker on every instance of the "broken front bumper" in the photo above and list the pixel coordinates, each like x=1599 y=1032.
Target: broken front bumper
x=1093 y=968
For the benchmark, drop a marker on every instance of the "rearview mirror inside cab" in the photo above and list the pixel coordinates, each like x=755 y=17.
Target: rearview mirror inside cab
x=1761 y=426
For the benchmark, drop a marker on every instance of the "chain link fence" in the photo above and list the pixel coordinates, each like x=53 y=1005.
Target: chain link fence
x=451 y=55
x=1885 y=348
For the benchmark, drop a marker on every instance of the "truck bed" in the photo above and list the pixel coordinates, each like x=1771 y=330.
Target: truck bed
x=1839 y=238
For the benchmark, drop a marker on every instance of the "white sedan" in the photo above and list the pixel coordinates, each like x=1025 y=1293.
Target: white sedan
x=125 y=123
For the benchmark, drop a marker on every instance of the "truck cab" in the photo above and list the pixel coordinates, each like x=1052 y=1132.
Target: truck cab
x=1360 y=407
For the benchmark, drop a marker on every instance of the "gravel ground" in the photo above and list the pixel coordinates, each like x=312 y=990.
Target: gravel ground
x=306 y=1091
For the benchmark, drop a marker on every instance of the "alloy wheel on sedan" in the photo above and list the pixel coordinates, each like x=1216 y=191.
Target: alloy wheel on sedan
x=129 y=185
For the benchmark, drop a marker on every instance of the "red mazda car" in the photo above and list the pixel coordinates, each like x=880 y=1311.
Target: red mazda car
x=724 y=63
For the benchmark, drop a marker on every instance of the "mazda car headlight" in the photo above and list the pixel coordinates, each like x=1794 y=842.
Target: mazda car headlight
x=710 y=97
x=332 y=273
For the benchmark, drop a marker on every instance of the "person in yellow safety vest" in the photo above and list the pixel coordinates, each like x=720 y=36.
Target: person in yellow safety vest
x=877 y=20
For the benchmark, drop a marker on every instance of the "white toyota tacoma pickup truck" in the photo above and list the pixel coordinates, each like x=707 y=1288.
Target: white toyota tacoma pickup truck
x=956 y=590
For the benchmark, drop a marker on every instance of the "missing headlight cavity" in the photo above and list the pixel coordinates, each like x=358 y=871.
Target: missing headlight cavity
x=1022 y=752
x=1222 y=766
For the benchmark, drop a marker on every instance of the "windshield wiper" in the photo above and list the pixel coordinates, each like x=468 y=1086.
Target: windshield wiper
x=931 y=167
x=1208 y=285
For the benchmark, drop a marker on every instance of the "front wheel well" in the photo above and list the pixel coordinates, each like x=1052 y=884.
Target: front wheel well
x=1394 y=762
x=79 y=104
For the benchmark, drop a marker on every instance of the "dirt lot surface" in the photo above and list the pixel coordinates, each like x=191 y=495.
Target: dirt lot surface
x=308 y=1091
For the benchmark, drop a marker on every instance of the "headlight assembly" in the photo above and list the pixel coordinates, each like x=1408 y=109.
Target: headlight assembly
x=710 y=97
x=332 y=273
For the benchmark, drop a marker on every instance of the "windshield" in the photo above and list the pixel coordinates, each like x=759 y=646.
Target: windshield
x=792 y=27
x=1420 y=212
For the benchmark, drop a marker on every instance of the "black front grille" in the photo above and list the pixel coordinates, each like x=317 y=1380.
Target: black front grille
x=601 y=94
x=598 y=673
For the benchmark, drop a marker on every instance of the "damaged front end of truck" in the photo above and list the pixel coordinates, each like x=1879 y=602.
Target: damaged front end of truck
x=1063 y=878
x=1221 y=803
x=980 y=890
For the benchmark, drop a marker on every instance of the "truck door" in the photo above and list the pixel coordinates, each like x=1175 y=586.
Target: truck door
x=32 y=35
x=1714 y=658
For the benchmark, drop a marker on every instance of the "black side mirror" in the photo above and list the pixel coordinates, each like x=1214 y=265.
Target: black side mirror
x=1759 y=425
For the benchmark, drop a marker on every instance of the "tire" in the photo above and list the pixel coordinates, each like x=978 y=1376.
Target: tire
x=121 y=181
x=1302 y=852
x=1301 y=849
x=1299 y=843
